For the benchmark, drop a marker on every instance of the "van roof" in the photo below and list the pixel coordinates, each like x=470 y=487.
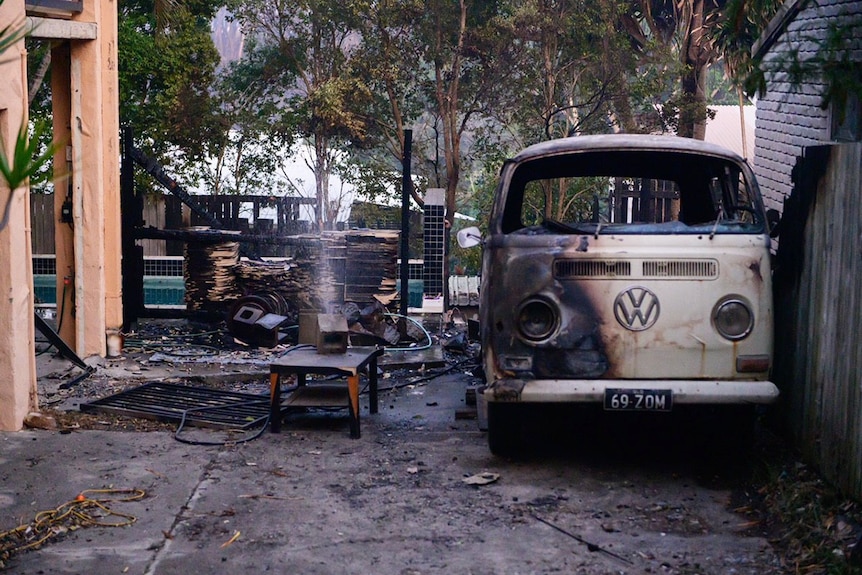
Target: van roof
x=624 y=142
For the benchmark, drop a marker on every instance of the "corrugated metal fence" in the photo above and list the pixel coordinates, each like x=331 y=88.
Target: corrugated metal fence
x=819 y=312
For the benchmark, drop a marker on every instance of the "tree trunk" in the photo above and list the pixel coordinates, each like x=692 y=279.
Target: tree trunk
x=695 y=59
x=321 y=181
x=447 y=94
x=39 y=77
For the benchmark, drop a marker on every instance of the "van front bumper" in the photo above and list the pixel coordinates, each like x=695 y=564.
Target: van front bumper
x=685 y=392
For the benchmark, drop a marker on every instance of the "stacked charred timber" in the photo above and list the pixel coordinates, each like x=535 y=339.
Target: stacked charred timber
x=371 y=265
x=208 y=274
x=356 y=266
x=290 y=278
x=335 y=272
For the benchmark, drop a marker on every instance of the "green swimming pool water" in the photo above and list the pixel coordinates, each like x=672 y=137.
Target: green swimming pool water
x=158 y=290
x=161 y=290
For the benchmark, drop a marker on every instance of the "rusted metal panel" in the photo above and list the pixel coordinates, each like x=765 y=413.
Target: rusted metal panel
x=331 y=333
x=591 y=344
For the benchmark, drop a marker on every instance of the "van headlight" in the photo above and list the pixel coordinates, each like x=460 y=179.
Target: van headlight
x=733 y=318
x=537 y=319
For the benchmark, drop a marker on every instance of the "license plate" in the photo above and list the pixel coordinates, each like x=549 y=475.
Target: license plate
x=638 y=399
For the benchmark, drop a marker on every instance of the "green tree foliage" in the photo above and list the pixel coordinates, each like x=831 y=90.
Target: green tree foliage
x=573 y=70
x=740 y=25
x=40 y=112
x=25 y=160
x=564 y=85
x=680 y=29
x=474 y=79
x=308 y=46
x=469 y=58
x=250 y=136
x=440 y=69
x=585 y=75
x=388 y=60
x=166 y=74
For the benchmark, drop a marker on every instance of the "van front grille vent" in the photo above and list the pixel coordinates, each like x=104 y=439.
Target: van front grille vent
x=680 y=269
x=592 y=269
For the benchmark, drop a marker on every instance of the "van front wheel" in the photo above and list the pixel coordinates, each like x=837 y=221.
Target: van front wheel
x=505 y=437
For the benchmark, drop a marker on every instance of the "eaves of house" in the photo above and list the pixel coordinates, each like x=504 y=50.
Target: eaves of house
x=776 y=27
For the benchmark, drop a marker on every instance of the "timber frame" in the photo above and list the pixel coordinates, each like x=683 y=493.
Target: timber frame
x=85 y=92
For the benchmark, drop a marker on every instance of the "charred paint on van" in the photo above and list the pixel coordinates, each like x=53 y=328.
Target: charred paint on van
x=648 y=293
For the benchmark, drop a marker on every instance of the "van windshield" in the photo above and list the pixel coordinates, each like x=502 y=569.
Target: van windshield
x=647 y=193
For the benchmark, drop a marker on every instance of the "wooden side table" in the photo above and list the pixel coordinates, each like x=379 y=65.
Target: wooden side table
x=305 y=361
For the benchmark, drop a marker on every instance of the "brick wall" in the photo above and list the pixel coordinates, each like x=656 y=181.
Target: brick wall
x=790 y=117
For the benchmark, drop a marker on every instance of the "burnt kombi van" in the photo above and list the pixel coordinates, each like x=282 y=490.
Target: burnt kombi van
x=648 y=291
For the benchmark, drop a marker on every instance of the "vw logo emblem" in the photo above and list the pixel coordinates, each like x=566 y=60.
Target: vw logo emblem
x=636 y=308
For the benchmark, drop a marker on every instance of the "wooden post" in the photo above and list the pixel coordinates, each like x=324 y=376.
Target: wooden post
x=406 y=186
x=17 y=329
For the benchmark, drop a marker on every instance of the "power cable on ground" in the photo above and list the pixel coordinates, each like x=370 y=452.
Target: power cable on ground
x=89 y=509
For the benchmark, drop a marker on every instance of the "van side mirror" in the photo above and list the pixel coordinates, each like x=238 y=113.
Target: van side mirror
x=773 y=220
x=469 y=237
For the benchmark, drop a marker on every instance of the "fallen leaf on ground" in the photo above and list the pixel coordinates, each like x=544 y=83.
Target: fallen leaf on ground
x=483 y=478
x=231 y=540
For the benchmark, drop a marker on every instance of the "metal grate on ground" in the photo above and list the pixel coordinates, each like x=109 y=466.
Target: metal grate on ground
x=203 y=407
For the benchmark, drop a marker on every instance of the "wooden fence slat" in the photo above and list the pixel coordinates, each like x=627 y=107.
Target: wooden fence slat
x=42 y=223
x=164 y=212
x=821 y=362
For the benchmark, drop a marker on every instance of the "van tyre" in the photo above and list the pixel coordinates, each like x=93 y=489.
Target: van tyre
x=740 y=429
x=505 y=428
x=729 y=431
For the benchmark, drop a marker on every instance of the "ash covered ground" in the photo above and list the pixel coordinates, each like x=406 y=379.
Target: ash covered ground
x=418 y=493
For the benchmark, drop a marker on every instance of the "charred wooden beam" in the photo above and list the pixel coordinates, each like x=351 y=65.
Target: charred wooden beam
x=156 y=171
x=189 y=235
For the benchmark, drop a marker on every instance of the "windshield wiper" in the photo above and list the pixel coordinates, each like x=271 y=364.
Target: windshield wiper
x=717 y=221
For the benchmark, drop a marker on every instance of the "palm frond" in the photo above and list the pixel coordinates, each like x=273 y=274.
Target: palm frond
x=25 y=162
x=12 y=33
x=165 y=11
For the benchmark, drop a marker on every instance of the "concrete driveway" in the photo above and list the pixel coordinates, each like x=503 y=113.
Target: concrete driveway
x=311 y=500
